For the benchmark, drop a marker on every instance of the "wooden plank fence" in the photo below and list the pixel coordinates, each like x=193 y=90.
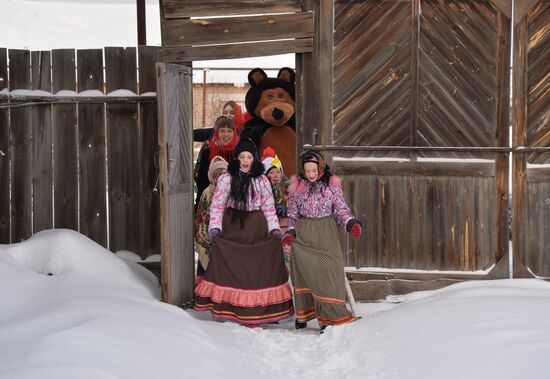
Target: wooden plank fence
x=76 y=154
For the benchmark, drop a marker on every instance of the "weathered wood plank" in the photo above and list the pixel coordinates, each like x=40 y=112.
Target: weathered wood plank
x=522 y=8
x=371 y=167
x=91 y=147
x=239 y=50
x=502 y=135
x=4 y=156
x=42 y=167
x=415 y=58
x=519 y=123
x=65 y=142
x=148 y=155
x=189 y=32
x=3 y=68
x=21 y=149
x=122 y=68
x=505 y=7
x=195 y=8
x=122 y=152
x=176 y=182
x=538 y=81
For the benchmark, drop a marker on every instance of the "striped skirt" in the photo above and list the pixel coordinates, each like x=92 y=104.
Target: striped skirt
x=246 y=280
x=317 y=271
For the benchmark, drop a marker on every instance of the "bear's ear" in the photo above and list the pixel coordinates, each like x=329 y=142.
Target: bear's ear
x=256 y=76
x=287 y=74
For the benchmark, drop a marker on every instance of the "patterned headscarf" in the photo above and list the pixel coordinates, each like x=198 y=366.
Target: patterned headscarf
x=314 y=156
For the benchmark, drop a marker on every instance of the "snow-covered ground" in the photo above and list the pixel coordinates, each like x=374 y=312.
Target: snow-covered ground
x=71 y=309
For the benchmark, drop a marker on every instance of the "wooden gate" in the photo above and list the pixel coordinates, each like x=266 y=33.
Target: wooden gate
x=176 y=182
x=419 y=131
x=531 y=123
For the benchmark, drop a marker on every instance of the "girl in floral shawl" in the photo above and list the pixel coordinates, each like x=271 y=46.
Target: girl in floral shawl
x=218 y=166
x=316 y=206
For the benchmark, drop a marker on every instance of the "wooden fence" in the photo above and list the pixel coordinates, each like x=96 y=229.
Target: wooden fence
x=74 y=152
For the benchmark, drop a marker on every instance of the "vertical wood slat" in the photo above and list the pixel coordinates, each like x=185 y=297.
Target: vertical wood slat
x=519 y=122
x=65 y=142
x=4 y=155
x=41 y=120
x=21 y=150
x=122 y=152
x=148 y=154
x=91 y=145
x=502 y=162
x=176 y=182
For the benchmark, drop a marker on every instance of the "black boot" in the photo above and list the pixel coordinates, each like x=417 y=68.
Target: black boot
x=323 y=327
x=300 y=325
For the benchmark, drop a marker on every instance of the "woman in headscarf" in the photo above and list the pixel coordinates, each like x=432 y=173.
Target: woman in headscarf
x=222 y=143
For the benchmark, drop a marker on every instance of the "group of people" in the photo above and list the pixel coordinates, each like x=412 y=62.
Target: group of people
x=254 y=227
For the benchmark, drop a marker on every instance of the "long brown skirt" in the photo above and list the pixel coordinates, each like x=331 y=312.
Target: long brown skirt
x=317 y=271
x=246 y=280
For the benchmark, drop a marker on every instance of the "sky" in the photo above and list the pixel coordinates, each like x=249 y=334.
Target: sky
x=72 y=309
x=84 y=24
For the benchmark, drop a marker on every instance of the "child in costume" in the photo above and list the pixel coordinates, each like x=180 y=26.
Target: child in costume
x=273 y=169
x=316 y=205
x=246 y=280
x=218 y=166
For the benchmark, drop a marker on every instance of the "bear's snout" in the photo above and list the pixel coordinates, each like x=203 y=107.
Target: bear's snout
x=277 y=113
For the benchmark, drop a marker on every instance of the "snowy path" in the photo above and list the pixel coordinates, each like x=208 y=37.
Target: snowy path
x=98 y=316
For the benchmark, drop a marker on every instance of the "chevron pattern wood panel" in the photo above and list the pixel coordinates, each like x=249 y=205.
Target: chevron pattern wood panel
x=455 y=53
x=457 y=73
x=538 y=80
x=372 y=60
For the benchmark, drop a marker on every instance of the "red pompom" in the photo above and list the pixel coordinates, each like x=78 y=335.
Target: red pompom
x=268 y=152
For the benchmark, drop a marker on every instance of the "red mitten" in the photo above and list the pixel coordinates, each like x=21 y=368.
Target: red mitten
x=288 y=239
x=356 y=231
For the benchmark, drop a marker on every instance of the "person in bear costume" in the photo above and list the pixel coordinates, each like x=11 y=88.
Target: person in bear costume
x=271 y=104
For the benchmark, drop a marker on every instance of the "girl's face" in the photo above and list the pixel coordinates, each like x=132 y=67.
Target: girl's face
x=225 y=135
x=245 y=160
x=274 y=175
x=311 y=171
x=228 y=112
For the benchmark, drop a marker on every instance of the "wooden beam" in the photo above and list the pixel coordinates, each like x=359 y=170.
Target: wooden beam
x=415 y=58
x=521 y=8
x=353 y=167
x=199 y=8
x=502 y=111
x=505 y=6
x=519 y=124
x=189 y=32
x=374 y=290
x=240 y=50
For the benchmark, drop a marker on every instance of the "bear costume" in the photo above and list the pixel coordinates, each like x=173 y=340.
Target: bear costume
x=271 y=104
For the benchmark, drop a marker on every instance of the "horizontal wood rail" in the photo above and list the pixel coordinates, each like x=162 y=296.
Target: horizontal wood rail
x=457 y=149
x=29 y=100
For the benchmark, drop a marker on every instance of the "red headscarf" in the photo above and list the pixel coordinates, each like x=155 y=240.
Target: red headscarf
x=216 y=146
x=238 y=117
